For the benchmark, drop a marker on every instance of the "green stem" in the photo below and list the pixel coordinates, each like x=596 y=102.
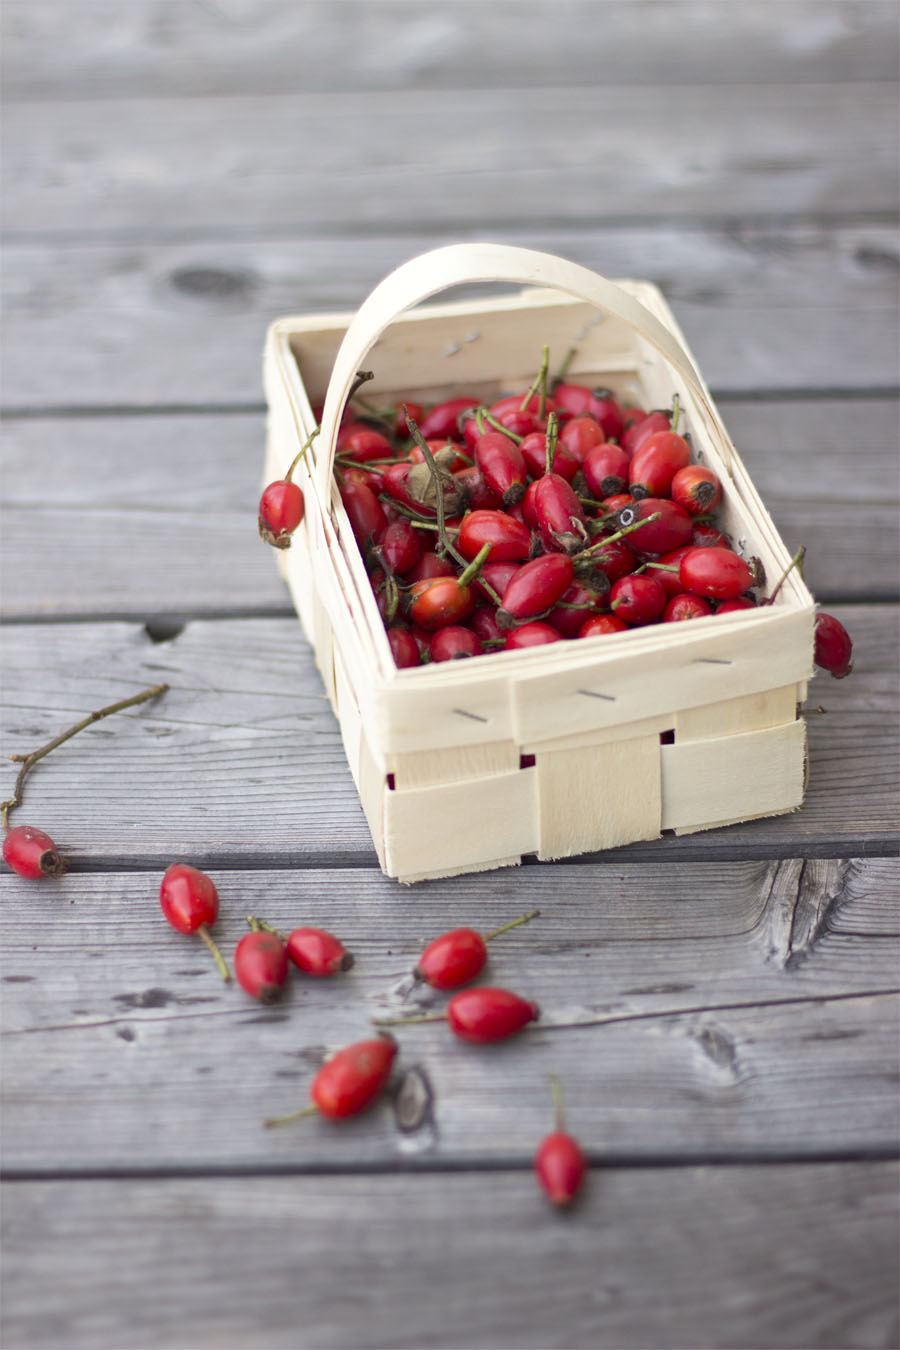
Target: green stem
x=274 y=1121
x=796 y=561
x=564 y=368
x=28 y=761
x=556 y=1089
x=619 y=534
x=498 y=426
x=676 y=412
x=301 y=452
x=408 y=1021
x=552 y=441
x=204 y=933
x=471 y=572
x=513 y=923
x=539 y=384
x=257 y=924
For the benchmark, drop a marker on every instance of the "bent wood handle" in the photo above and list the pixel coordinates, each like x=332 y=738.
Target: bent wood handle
x=460 y=264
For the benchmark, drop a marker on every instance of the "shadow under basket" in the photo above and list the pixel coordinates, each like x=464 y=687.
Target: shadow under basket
x=562 y=749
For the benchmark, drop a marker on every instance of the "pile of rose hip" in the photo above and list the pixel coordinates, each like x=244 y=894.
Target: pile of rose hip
x=540 y=518
x=356 y=1075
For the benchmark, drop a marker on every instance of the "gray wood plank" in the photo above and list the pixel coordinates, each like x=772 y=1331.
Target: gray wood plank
x=242 y=759
x=369 y=160
x=153 y=47
x=173 y=499
x=694 y=1011
x=735 y=1257
x=780 y=307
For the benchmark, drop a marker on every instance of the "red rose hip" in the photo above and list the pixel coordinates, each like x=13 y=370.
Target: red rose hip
x=32 y=853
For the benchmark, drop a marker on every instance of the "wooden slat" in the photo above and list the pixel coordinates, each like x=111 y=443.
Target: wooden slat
x=778 y=307
x=246 y=735
x=748 y=996
x=170 y=495
x=373 y=1256
x=153 y=47
x=201 y=164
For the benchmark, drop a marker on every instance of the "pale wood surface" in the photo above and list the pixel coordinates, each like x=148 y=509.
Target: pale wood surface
x=721 y=1008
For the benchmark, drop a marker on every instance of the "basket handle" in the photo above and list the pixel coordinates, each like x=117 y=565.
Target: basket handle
x=460 y=264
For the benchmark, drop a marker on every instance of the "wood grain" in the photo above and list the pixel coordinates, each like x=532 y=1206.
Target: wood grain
x=780 y=307
x=242 y=759
x=154 y=47
x=98 y=166
x=770 y=1257
x=752 y=997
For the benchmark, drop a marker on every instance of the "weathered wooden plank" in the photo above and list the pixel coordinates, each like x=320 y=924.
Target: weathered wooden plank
x=170 y=496
x=748 y=998
x=732 y=150
x=776 y=307
x=152 y=47
x=765 y=1256
x=242 y=759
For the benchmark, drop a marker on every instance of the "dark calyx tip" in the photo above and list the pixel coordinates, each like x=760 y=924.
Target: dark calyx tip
x=52 y=864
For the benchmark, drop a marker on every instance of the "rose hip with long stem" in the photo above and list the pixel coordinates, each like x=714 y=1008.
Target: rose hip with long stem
x=29 y=851
x=459 y=955
x=559 y=1162
x=480 y=1015
x=190 y=902
x=348 y=1082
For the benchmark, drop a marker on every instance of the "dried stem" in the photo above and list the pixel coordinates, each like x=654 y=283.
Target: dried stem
x=28 y=761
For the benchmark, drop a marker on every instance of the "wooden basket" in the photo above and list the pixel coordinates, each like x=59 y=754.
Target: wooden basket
x=562 y=749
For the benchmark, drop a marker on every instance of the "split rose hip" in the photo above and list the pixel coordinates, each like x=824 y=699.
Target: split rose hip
x=833 y=648
x=261 y=965
x=716 y=573
x=32 y=853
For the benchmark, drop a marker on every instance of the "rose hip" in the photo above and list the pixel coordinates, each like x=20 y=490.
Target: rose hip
x=458 y=956
x=696 y=489
x=349 y=1081
x=453 y=643
x=442 y=422
x=32 y=853
x=559 y=1163
x=670 y=530
x=655 y=463
x=685 y=606
x=438 y=601
x=638 y=599
x=536 y=587
x=606 y=469
x=600 y=624
x=281 y=509
x=716 y=573
x=404 y=648
x=559 y=513
x=484 y=1014
x=261 y=965
x=502 y=466
x=509 y=539
x=833 y=648
x=317 y=952
x=190 y=902
x=534 y=634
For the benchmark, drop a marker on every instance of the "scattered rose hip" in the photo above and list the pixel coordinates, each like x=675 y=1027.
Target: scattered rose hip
x=31 y=852
x=190 y=902
x=559 y=1162
x=479 y=1015
x=460 y=955
x=348 y=1082
x=261 y=963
